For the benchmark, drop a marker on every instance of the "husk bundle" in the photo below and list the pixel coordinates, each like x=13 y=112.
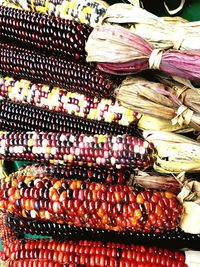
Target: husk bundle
x=160 y=32
x=173 y=103
x=122 y=52
x=175 y=153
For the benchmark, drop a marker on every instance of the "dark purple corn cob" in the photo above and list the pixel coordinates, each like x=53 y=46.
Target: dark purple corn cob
x=61 y=37
x=28 y=118
x=75 y=77
x=174 y=239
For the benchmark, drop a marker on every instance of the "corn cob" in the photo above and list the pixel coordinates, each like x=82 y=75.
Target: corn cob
x=59 y=148
x=28 y=118
x=23 y=63
x=7 y=235
x=64 y=38
x=90 y=174
x=174 y=238
x=88 y=11
x=90 y=253
x=57 y=99
x=101 y=175
x=93 y=205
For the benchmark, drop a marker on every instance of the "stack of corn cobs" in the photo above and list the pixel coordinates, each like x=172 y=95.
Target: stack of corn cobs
x=104 y=102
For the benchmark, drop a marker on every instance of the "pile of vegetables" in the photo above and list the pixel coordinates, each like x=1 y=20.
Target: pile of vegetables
x=102 y=102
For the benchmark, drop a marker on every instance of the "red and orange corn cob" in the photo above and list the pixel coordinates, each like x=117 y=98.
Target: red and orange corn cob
x=57 y=99
x=176 y=239
x=121 y=151
x=64 y=38
x=90 y=253
x=27 y=118
x=92 y=205
x=73 y=76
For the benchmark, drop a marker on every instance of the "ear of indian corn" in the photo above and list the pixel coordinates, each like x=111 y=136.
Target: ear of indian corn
x=75 y=172
x=85 y=11
x=28 y=118
x=93 y=205
x=64 y=38
x=173 y=238
x=91 y=253
x=7 y=235
x=57 y=99
x=73 y=76
x=121 y=151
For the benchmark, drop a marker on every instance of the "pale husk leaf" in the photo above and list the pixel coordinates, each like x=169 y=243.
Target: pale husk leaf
x=4 y=263
x=150 y=123
x=175 y=153
x=192 y=258
x=190 y=219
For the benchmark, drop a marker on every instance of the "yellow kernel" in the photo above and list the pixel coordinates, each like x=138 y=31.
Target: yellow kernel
x=138 y=213
x=17 y=194
x=169 y=195
x=30 y=142
x=57 y=184
x=70 y=157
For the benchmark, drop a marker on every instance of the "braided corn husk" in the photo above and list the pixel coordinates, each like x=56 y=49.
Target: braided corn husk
x=160 y=32
x=171 y=102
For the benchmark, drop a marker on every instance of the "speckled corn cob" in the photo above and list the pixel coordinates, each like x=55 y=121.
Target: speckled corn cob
x=91 y=253
x=64 y=38
x=60 y=148
x=73 y=76
x=175 y=239
x=85 y=11
x=92 y=205
x=57 y=99
x=27 y=118
x=90 y=174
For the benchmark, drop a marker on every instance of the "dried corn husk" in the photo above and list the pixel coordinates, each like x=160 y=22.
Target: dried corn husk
x=158 y=182
x=175 y=153
x=160 y=32
x=151 y=123
x=122 y=52
x=177 y=110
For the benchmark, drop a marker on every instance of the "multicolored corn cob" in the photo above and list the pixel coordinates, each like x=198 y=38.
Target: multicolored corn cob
x=85 y=11
x=90 y=253
x=73 y=172
x=28 y=118
x=55 y=36
x=175 y=239
x=73 y=76
x=57 y=99
x=93 y=205
x=148 y=180
x=121 y=151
